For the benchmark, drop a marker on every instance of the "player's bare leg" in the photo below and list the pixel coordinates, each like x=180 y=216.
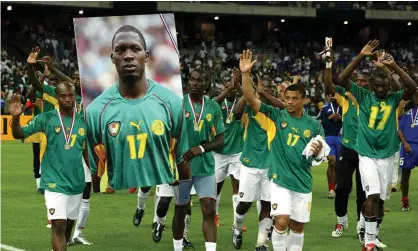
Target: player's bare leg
x=331 y=176
x=370 y=214
x=279 y=237
x=162 y=209
x=68 y=229
x=241 y=212
x=264 y=225
x=143 y=193
x=406 y=174
x=58 y=235
x=209 y=227
x=78 y=236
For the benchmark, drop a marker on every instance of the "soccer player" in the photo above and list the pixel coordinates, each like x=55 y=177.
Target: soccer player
x=290 y=131
x=227 y=161
x=330 y=118
x=135 y=143
x=255 y=165
x=377 y=140
x=408 y=134
x=206 y=134
x=62 y=167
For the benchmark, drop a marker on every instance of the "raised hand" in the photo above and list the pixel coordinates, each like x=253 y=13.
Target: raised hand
x=16 y=107
x=48 y=61
x=369 y=48
x=388 y=60
x=245 y=63
x=32 y=58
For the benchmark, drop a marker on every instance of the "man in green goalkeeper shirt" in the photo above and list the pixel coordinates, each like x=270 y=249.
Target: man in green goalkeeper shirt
x=130 y=126
x=206 y=133
x=377 y=139
x=62 y=167
x=291 y=187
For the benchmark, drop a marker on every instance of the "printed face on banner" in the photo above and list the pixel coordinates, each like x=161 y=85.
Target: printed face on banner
x=149 y=41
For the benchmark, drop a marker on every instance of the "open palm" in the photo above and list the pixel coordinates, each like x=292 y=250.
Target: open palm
x=245 y=63
x=370 y=48
x=16 y=107
x=32 y=58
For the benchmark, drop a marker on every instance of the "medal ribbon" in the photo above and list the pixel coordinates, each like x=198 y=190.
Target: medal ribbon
x=229 y=112
x=197 y=121
x=67 y=138
x=332 y=107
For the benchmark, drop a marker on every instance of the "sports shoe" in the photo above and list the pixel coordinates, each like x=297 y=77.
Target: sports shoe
x=237 y=239
x=394 y=188
x=331 y=194
x=261 y=248
x=244 y=228
x=49 y=224
x=157 y=233
x=362 y=236
x=379 y=243
x=139 y=213
x=187 y=244
x=338 y=230
x=132 y=190
x=82 y=240
x=217 y=220
x=371 y=247
x=405 y=205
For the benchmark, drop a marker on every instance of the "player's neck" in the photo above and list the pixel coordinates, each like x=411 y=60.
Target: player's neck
x=133 y=90
x=66 y=111
x=296 y=114
x=196 y=98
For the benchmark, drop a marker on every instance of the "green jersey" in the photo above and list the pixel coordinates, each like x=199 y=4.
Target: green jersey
x=350 y=111
x=79 y=103
x=377 y=135
x=259 y=132
x=290 y=168
x=38 y=104
x=233 y=129
x=49 y=98
x=62 y=169
x=131 y=137
x=210 y=125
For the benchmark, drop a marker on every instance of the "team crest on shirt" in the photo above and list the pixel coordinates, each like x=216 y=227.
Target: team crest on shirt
x=283 y=125
x=157 y=127
x=57 y=129
x=113 y=128
x=209 y=117
x=81 y=131
x=241 y=194
x=274 y=206
x=187 y=115
x=51 y=211
x=307 y=133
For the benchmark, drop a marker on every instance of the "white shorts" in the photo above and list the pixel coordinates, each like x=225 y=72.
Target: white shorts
x=87 y=173
x=62 y=206
x=254 y=184
x=285 y=202
x=226 y=165
x=375 y=174
x=166 y=190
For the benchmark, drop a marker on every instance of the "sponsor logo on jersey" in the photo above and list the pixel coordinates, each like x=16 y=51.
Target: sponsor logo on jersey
x=309 y=206
x=246 y=160
x=274 y=175
x=81 y=131
x=283 y=125
x=307 y=133
x=113 y=128
x=295 y=129
x=57 y=129
x=157 y=127
x=137 y=126
x=51 y=211
x=346 y=141
x=209 y=117
x=274 y=206
x=187 y=114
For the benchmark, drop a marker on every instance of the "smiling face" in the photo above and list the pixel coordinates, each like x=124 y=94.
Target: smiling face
x=129 y=56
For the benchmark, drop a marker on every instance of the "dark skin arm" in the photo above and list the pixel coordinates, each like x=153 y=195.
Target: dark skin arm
x=16 y=109
x=221 y=97
x=216 y=144
x=395 y=84
x=272 y=100
x=329 y=86
x=239 y=108
x=48 y=61
x=405 y=143
x=367 y=50
x=31 y=95
x=409 y=84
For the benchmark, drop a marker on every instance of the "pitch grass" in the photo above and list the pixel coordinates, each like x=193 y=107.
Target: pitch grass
x=110 y=226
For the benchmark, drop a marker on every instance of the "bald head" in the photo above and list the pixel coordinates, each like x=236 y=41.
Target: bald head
x=66 y=95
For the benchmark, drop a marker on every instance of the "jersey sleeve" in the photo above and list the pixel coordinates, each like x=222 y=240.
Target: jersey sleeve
x=358 y=92
x=218 y=122
x=95 y=147
x=340 y=90
x=37 y=124
x=271 y=112
x=179 y=130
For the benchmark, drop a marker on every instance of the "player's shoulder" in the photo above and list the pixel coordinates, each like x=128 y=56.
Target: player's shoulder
x=212 y=103
x=164 y=94
x=100 y=101
x=311 y=121
x=48 y=115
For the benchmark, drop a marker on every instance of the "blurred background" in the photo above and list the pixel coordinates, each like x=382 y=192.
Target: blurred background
x=93 y=38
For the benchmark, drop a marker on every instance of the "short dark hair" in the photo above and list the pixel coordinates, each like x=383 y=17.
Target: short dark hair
x=297 y=88
x=130 y=28
x=202 y=74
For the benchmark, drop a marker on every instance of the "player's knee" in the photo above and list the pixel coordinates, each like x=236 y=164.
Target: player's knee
x=331 y=161
x=59 y=227
x=281 y=222
x=163 y=204
x=265 y=206
x=145 y=189
x=296 y=227
x=208 y=207
x=243 y=207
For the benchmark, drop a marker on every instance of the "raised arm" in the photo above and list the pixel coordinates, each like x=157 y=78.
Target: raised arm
x=245 y=65
x=32 y=60
x=409 y=84
x=221 y=97
x=329 y=86
x=367 y=50
x=16 y=109
x=48 y=62
x=396 y=86
x=272 y=100
x=239 y=108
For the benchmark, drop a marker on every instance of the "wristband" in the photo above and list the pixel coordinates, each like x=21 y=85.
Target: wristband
x=328 y=65
x=202 y=149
